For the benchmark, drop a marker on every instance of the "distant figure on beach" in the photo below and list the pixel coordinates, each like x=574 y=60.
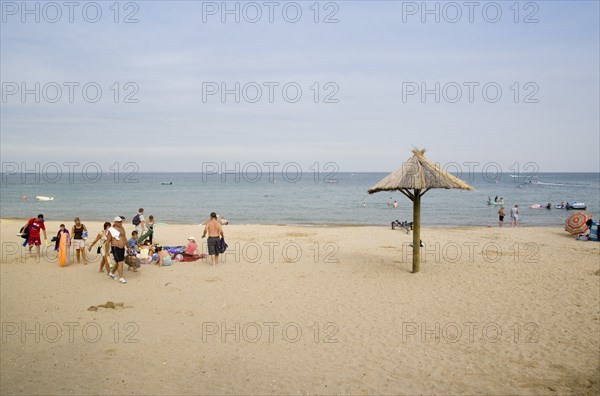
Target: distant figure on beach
x=139 y=221
x=214 y=230
x=34 y=225
x=150 y=227
x=501 y=201
x=78 y=241
x=501 y=217
x=395 y=204
x=514 y=216
x=548 y=205
x=116 y=238
x=101 y=237
x=191 y=248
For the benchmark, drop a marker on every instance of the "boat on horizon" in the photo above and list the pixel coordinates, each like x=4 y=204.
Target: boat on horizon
x=43 y=198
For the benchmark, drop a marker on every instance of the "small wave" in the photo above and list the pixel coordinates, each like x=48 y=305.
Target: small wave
x=561 y=184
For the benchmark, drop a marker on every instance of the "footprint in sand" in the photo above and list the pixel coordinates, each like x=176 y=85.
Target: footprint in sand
x=215 y=279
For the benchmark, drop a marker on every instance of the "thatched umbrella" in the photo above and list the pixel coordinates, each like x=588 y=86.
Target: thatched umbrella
x=419 y=175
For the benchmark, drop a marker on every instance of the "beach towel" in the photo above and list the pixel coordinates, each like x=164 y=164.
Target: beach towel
x=114 y=232
x=24 y=231
x=594 y=232
x=222 y=246
x=187 y=259
x=174 y=249
x=145 y=236
x=177 y=250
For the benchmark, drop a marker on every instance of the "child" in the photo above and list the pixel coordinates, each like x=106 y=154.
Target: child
x=63 y=230
x=133 y=244
x=151 y=227
x=146 y=253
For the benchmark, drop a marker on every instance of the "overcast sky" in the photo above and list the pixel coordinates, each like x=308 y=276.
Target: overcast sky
x=366 y=70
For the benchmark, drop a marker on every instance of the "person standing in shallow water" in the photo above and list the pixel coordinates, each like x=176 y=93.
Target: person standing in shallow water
x=514 y=216
x=501 y=217
x=214 y=230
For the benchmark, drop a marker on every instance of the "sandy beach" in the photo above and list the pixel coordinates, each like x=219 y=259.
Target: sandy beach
x=310 y=310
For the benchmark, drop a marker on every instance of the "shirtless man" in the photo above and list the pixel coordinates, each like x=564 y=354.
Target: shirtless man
x=117 y=240
x=214 y=230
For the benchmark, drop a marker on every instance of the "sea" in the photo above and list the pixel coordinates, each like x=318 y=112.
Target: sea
x=299 y=199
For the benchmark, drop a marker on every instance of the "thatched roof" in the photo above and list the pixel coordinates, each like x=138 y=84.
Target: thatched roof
x=419 y=173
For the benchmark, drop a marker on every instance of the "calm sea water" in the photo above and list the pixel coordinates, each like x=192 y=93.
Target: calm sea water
x=250 y=199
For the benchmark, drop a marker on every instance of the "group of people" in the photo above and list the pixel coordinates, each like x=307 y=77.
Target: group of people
x=514 y=216
x=112 y=241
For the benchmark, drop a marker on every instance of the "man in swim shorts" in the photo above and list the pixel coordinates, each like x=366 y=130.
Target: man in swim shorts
x=116 y=238
x=215 y=233
x=35 y=225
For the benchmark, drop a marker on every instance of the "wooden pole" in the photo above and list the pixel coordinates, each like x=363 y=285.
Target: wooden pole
x=416 y=231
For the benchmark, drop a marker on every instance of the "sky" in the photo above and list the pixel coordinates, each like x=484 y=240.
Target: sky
x=349 y=84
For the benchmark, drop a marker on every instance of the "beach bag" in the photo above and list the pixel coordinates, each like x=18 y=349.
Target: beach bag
x=136 y=220
x=24 y=231
x=222 y=246
x=132 y=261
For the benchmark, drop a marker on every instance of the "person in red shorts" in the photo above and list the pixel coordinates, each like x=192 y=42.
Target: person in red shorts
x=35 y=225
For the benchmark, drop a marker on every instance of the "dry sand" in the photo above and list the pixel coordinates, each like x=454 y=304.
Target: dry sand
x=494 y=311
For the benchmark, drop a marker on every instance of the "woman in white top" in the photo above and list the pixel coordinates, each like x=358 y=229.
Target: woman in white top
x=101 y=249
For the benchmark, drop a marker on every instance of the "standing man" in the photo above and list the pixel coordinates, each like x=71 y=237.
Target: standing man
x=514 y=216
x=214 y=230
x=139 y=221
x=501 y=217
x=35 y=225
x=116 y=238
